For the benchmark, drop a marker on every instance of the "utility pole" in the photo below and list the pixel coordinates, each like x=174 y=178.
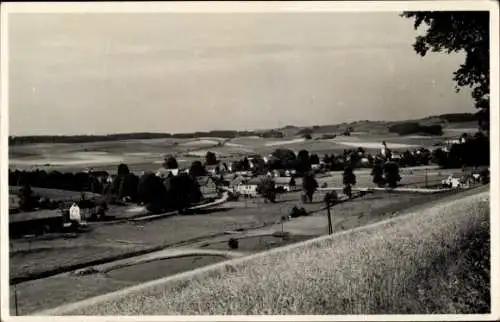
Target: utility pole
x=330 y=228
x=426 y=175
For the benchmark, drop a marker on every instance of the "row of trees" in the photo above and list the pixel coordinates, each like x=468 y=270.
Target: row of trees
x=79 y=181
x=172 y=193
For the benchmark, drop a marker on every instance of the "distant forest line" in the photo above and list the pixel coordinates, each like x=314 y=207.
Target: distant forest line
x=19 y=140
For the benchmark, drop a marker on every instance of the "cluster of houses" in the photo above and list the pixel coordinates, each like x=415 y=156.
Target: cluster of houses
x=242 y=182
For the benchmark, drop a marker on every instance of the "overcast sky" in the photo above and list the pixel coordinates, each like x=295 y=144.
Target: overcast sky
x=107 y=73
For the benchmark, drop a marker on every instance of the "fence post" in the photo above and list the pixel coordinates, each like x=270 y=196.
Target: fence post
x=15 y=300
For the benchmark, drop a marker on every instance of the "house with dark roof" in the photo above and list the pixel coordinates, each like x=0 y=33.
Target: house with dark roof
x=208 y=187
x=284 y=183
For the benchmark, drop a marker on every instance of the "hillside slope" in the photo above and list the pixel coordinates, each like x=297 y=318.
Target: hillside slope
x=435 y=260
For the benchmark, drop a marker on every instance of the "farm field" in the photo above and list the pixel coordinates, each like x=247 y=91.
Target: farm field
x=147 y=155
x=206 y=231
x=407 y=265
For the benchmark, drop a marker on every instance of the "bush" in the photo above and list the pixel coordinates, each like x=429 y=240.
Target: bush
x=485 y=176
x=233 y=243
x=391 y=174
x=28 y=201
x=298 y=212
x=234 y=196
x=331 y=198
x=347 y=191
x=267 y=189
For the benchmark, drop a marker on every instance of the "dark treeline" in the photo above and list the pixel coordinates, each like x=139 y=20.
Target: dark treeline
x=411 y=127
x=408 y=128
x=18 y=140
x=79 y=181
x=459 y=117
x=157 y=194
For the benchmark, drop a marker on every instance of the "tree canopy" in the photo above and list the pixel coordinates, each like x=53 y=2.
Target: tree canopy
x=460 y=31
x=170 y=162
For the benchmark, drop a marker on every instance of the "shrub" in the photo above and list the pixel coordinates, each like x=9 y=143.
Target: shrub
x=234 y=196
x=347 y=191
x=28 y=201
x=331 y=198
x=233 y=243
x=267 y=189
x=298 y=212
x=485 y=176
x=391 y=174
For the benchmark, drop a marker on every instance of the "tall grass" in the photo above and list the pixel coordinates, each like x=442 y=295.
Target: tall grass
x=434 y=261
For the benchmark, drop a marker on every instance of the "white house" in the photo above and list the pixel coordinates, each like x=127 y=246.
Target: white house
x=315 y=166
x=248 y=188
x=452 y=182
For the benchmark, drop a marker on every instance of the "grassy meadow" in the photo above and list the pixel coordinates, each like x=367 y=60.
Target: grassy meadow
x=435 y=260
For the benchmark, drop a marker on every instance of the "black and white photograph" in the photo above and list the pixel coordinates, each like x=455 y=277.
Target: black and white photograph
x=224 y=159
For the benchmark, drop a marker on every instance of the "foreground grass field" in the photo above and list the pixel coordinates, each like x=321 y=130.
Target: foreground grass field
x=435 y=260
